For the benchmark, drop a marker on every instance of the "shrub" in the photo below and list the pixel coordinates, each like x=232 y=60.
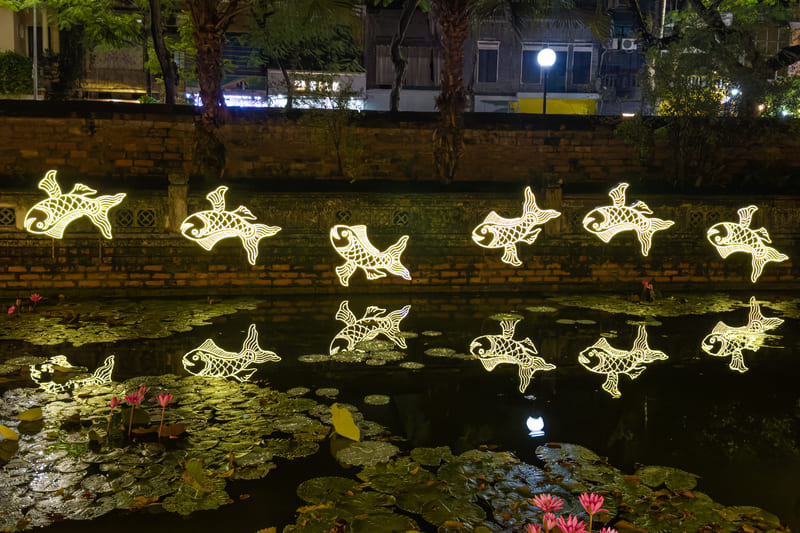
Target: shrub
x=15 y=74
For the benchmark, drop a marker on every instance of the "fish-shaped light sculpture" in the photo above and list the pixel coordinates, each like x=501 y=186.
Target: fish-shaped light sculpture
x=52 y=216
x=498 y=232
x=374 y=322
x=724 y=340
x=608 y=220
x=59 y=363
x=207 y=228
x=730 y=237
x=492 y=350
x=352 y=243
x=602 y=358
x=208 y=359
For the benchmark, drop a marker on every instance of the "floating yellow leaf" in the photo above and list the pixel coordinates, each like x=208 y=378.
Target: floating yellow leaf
x=8 y=433
x=268 y=530
x=344 y=424
x=31 y=415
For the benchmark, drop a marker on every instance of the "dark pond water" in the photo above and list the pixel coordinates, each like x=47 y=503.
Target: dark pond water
x=739 y=431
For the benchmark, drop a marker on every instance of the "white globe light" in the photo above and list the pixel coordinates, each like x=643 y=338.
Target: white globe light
x=546 y=57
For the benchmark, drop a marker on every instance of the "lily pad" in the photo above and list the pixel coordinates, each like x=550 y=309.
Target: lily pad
x=500 y=317
x=377 y=399
x=672 y=478
x=322 y=490
x=367 y=453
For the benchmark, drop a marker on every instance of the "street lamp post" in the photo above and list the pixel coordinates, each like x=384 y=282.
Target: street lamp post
x=546 y=58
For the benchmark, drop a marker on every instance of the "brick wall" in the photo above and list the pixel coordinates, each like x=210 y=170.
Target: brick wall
x=146 y=257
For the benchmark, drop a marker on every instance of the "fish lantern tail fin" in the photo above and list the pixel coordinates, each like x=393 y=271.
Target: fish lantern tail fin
x=100 y=218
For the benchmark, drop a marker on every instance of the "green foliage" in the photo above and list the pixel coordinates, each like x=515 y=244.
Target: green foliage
x=15 y=74
x=147 y=99
x=782 y=98
x=100 y=21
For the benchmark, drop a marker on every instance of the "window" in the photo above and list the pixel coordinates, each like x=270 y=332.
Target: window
x=573 y=66
x=488 y=52
x=531 y=72
x=422 y=69
x=581 y=65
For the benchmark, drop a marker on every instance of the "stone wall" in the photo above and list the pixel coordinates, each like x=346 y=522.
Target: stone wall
x=147 y=256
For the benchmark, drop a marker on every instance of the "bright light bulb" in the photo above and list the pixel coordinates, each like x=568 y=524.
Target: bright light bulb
x=535 y=426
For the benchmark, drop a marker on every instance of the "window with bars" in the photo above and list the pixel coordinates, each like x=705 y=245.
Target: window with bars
x=8 y=217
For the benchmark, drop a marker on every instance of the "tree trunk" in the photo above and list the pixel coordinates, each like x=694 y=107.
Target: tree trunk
x=454 y=18
x=289 y=86
x=399 y=62
x=168 y=69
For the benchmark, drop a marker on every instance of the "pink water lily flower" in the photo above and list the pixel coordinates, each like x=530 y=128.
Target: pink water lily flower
x=549 y=521
x=36 y=297
x=547 y=502
x=133 y=399
x=608 y=530
x=532 y=528
x=114 y=402
x=592 y=503
x=11 y=310
x=164 y=399
x=571 y=525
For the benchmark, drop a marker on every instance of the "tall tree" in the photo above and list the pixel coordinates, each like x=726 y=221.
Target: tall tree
x=169 y=70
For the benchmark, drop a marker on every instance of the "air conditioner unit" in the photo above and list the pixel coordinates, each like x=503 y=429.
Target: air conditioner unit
x=627 y=44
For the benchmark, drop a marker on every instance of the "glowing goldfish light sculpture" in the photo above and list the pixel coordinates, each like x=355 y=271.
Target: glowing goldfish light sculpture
x=732 y=237
x=100 y=376
x=374 y=322
x=53 y=215
x=208 y=359
x=724 y=340
x=498 y=232
x=606 y=221
x=207 y=228
x=602 y=358
x=492 y=350
x=352 y=243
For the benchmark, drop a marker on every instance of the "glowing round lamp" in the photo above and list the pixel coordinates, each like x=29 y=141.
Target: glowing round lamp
x=546 y=59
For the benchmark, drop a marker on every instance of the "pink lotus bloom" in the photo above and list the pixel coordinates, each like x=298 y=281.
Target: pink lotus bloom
x=36 y=297
x=133 y=399
x=532 y=528
x=115 y=402
x=11 y=310
x=549 y=521
x=571 y=525
x=548 y=502
x=164 y=399
x=608 y=530
x=592 y=503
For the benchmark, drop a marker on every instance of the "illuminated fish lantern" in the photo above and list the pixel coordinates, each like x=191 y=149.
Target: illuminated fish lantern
x=207 y=228
x=374 y=322
x=59 y=363
x=730 y=237
x=352 y=243
x=724 y=340
x=53 y=215
x=498 y=232
x=208 y=359
x=608 y=220
x=492 y=350
x=602 y=358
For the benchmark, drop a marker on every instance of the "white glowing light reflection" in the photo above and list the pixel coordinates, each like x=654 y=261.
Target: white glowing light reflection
x=208 y=359
x=207 y=228
x=279 y=100
x=535 y=426
x=374 y=322
x=56 y=363
x=53 y=215
x=493 y=350
x=732 y=237
x=352 y=243
x=498 y=232
x=724 y=340
x=602 y=358
x=607 y=221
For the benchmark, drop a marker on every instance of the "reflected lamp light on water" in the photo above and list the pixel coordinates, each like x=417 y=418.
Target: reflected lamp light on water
x=498 y=232
x=732 y=237
x=352 y=243
x=609 y=220
x=374 y=322
x=208 y=359
x=535 y=426
x=52 y=215
x=207 y=228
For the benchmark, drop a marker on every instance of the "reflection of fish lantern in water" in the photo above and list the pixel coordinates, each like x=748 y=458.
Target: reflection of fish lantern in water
x=731 y=237
x=207 y=228
x=374 y=322
x=724 y=340
x=607 y=221
x=602 y=358
x=498 y=232
x=208 y=359
x=352 y=243
x=53 y=215
x=492 y=350
x=59 y=363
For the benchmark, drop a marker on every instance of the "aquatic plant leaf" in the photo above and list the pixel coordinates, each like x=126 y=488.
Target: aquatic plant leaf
x=196 y=477
x=411 y=365
x=343 y=423
x=367 y=453
x=256 y=471
x=383 y=522
x=440 y=352
x=31 y=415
x=318 y=518
x=541 y=309
x=362 y=502
x=327 y=392
x=500 y=317
x=8 y=434
x=321 y=490
x=414 y=498
x=290 y=448
x=377 y=399
x=187 y=499
x=673 y=478
x=432 y=456
x=440 y=511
